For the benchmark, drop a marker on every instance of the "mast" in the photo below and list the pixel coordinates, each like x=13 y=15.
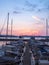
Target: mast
x=7 y=24
x=11 y=26
x=46 y=27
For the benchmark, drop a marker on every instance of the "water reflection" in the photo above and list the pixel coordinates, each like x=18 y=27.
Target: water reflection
x=3 y=43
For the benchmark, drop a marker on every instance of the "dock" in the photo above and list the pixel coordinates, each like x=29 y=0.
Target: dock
x=27 y=56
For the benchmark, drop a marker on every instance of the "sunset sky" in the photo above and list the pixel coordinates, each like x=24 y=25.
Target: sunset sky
x=29 y=16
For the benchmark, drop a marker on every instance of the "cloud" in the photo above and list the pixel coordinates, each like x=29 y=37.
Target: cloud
x=27 y=3
x=44 y=9
x=47 y=7
x=16 y=12
x=40 y=6
x=36 y=7
x=41 y=1
x=30 y=6
x=41 y=9
x=36 y=18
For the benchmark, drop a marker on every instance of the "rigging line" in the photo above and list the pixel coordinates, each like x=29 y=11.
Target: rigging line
x=2 y=27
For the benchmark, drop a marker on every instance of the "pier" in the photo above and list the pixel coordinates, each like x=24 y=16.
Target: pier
x=27 y=56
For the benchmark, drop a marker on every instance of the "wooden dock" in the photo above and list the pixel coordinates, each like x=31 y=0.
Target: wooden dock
x=27 y=56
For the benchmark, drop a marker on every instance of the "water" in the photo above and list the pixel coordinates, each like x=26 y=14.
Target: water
x=3 y=43
x=47 y=43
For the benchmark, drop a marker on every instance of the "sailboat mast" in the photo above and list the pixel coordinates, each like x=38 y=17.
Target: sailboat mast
x=46 y=27
x=7 y=24
x=11 y=26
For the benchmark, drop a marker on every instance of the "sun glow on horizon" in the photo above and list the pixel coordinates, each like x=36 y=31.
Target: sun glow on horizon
x=26 y=32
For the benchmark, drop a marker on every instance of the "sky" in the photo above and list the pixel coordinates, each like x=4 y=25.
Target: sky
x=29 y=16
